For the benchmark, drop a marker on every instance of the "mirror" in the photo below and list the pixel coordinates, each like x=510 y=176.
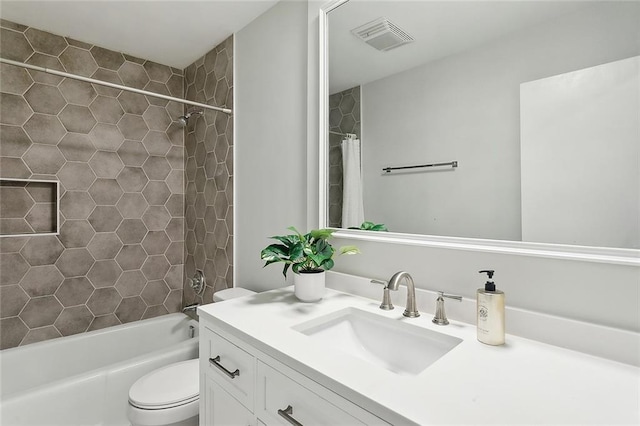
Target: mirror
x=535 y=102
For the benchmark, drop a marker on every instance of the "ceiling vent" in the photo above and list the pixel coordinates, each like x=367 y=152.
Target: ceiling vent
x=382 y=34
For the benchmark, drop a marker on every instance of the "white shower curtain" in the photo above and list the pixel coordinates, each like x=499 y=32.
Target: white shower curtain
x=352 y=202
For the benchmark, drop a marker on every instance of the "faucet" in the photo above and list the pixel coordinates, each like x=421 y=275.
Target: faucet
x=441 y=317
x=410 y=311
x=192 y=307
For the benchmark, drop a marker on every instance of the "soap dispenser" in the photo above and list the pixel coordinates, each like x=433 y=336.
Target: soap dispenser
x=490 y=310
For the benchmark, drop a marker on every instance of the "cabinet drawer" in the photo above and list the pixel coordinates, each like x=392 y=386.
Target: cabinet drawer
x=279 y=397
x=230 y=366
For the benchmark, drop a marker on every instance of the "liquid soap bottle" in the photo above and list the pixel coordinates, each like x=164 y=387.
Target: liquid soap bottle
x=490 y=306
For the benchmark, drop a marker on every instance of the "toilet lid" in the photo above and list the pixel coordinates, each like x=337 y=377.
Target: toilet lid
x=172 y=385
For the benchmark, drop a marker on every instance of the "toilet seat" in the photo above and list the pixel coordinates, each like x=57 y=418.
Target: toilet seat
x=167 y=387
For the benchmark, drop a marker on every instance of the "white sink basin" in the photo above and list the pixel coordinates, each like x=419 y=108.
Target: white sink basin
x=390 y=343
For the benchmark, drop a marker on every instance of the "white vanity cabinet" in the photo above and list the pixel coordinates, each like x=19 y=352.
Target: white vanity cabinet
x=240 y=385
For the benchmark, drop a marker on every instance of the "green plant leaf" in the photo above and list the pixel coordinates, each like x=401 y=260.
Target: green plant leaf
x=349 y=250
x=321 y=234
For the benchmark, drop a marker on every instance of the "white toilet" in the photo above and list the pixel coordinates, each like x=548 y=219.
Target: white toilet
x=170 y=395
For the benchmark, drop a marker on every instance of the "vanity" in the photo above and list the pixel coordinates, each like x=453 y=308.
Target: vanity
x=269 y=359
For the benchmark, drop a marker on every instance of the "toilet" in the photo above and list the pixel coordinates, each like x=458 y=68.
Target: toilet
x=170 y=395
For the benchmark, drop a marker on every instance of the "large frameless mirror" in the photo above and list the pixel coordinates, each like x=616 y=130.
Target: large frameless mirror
x=482 y=124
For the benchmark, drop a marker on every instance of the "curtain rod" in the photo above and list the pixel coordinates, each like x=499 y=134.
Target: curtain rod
x=453 y=165
x=113 y=85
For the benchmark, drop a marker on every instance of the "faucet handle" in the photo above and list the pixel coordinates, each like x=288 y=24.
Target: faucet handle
x=386 y=297
x=441 y=317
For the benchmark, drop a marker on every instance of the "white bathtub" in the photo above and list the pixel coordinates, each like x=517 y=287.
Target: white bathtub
x=84 y=379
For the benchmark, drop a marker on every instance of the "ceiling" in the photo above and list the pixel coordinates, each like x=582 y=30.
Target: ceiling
x=174 y=33
x=440 y=29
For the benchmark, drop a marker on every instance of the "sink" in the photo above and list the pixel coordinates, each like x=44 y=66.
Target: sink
x=390 y=343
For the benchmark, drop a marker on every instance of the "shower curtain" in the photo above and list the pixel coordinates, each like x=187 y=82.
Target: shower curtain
x=352 y=202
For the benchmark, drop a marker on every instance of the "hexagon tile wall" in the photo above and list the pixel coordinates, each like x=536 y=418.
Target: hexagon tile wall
x=120 y=160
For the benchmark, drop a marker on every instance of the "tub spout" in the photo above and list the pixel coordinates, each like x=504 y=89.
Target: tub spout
x=190 y=308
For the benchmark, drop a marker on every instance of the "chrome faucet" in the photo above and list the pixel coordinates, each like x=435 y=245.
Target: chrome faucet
x=192 y=307
x=411 y=310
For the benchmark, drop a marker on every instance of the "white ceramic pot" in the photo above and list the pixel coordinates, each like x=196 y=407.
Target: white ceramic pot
x=309 y=286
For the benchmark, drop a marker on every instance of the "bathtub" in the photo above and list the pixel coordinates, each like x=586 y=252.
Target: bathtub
x=84 y=379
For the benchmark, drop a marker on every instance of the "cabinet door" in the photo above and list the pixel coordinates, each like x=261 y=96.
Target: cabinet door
x=221 y=409
x=282 y=401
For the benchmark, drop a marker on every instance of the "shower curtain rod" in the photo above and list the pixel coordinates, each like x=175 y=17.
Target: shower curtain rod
x=113 y=85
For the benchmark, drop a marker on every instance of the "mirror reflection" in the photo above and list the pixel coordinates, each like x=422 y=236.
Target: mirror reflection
x=536 y=103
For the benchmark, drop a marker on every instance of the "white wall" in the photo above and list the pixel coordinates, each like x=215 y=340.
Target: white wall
x=595 y=292
x=270 y=143
x=466 y=108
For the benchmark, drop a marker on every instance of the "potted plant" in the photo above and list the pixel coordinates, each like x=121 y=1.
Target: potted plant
x=308 y=256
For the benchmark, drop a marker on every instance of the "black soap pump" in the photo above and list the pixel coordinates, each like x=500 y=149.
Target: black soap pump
x=490 y=311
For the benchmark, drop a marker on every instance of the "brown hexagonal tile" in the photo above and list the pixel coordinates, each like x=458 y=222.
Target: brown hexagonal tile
x=130 y=309
x=132 y=205
x=41 y=192
x=157 y=118
x=156 y=168
x=45 y=99
x=106 y=164
x=174 y=84
x=76 y=147
x=107 y=58
x=156 y=87
x=41 y=281
x=41 y=334
x=42 y=218
x=105 y=218
x=104 y=273
x=76 y=205
x=76 y=176
x=16 y=202
x=104 y=301
x=221 y=93
x=175 y=205
x=41 y=311
x=133 y=103
x=155 y=242
x=157 y=72
x=15 y=80
x=173 y=302
x=45 y=42
x=131 y=231
x=155 y=292
x=42 y=250
x=105 y=192
x=105 y=245
x=76 y=233
x=109 y=76
x=45 y=61
x=12 y=300
x=133 y=127
x=157 y=143
x=131 y=283
x=132 y=153
x=45 y=129
x=175 y=229
x=14 y=45
x=12 y=330
x=74 y=291
x=106 y=137
x=78 y=61
x=155 y=311
x=106 y=109
x=77 y=92
x=132 y=179
x=14 y=110
x=133 y=75
x=173 y=278
x=175 y=253
x=221 y=234
x=155 y=267
x=73 y=320
x=76 y=118
x=103 y=321
x=175 y=157
x=131 y=257
x=156 y=218
x=74 y=262
x=15 y=141
x=156 y=193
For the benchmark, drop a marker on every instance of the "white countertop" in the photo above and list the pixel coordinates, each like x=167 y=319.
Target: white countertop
x=522 y=382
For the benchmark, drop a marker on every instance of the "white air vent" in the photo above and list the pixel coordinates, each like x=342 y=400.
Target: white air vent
x=382 y=34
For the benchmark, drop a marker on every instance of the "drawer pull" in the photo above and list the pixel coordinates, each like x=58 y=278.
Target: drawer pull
x=287 y=414
x=216 y=361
